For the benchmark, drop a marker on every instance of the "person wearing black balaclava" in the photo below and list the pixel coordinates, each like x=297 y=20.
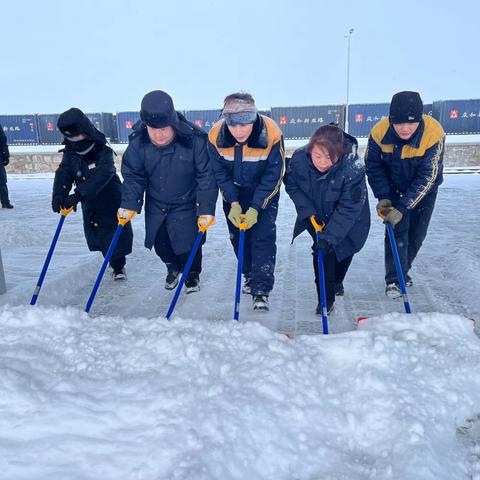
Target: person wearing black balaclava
x=404 y=162
x=4 y=161
x=87 y=163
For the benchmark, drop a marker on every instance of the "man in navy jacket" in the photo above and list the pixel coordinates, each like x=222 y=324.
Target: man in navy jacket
x=166 y=160
x=404 y=161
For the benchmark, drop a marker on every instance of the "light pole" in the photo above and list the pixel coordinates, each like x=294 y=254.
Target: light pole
x=348 y=36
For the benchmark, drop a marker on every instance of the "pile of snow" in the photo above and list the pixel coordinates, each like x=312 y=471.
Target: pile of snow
x=136 y=398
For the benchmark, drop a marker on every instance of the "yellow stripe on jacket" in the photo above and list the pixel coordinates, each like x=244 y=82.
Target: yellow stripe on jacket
x=249 y=154
x=432 y=134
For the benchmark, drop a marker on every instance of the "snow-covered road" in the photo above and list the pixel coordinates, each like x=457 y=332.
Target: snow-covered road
x=445 y=274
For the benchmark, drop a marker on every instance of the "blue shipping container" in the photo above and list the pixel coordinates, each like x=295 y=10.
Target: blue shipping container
x=125 y=123
x=204 y=119
x=362 y=117
x=47 y=129
x=301 y=122
x=20 y=129
x=104 y=123
x=458 y=116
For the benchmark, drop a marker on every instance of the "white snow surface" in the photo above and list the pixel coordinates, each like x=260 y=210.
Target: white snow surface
x=123 y=393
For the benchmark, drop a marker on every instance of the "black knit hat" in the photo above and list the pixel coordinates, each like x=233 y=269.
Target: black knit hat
x=406 y=107
x=157 y=110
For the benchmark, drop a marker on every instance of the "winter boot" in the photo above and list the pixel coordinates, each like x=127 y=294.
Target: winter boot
x=392 y=290
x=339 y=291
x=247 y=285
x=120 y=274
x=7 y=205
x=260 y=303
x=173 y=276
x=192 y=283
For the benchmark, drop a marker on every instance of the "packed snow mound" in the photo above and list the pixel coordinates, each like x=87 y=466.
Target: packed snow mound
x=112 y=398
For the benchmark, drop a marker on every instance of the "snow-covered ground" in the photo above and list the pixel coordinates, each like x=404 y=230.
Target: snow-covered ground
x=124 y=394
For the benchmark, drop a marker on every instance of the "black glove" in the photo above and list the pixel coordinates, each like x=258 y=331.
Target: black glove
x=6 y=161
x=71 y=201
x=57 y=203
x=323 y=246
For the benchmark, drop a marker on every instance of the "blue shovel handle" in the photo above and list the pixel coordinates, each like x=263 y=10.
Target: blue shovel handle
x=184 y=275
x=238 y=287
x=63 y=213
x=398 y=266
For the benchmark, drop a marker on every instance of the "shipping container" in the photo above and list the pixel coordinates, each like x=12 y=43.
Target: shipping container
x=458 y=116
x=47 y=129
x=301 y=122
x=362 y=117
x=125 y=123
x=104 y=123
x=20 y=129
x=204 y=119
x=428 y=109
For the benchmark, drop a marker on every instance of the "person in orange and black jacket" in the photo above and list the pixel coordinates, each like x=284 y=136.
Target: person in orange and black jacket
x=326 y=179
x=248 y=158
x=87 y=163
x=404 y=161
x=4 y=161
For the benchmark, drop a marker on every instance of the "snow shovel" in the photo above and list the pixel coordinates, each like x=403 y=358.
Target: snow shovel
x=321 y=275
x=63 y=213
x=241 y=247
x=201 y=232
x=398 y=266
x=121 y=223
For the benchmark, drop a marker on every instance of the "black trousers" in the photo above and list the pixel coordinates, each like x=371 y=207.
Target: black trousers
x=3 y=186
x=163 y=248
x=260 y=247
x=334 y=270
x=409 y=235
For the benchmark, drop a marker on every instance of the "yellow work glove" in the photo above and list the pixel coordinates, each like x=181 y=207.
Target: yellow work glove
x=251 y=217
x=384 y=206
x=393 y=216
x=235 y=214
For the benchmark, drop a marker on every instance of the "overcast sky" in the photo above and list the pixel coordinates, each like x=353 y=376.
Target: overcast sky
x=104 y=55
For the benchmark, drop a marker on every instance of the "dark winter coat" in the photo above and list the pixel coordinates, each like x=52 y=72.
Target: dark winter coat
x=405 y=171
x=4 y=160
x=250 y=173
x=176 y=180
x=338 y=198
x=4 y=152
x=99 y=189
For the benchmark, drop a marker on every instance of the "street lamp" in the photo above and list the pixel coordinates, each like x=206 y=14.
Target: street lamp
x=348 y=36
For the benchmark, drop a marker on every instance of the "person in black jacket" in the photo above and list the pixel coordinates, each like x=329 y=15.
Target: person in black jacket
x=4 y=161
x=166 y=160
x=248 y=158
x=326 y=179
x=88 y=163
